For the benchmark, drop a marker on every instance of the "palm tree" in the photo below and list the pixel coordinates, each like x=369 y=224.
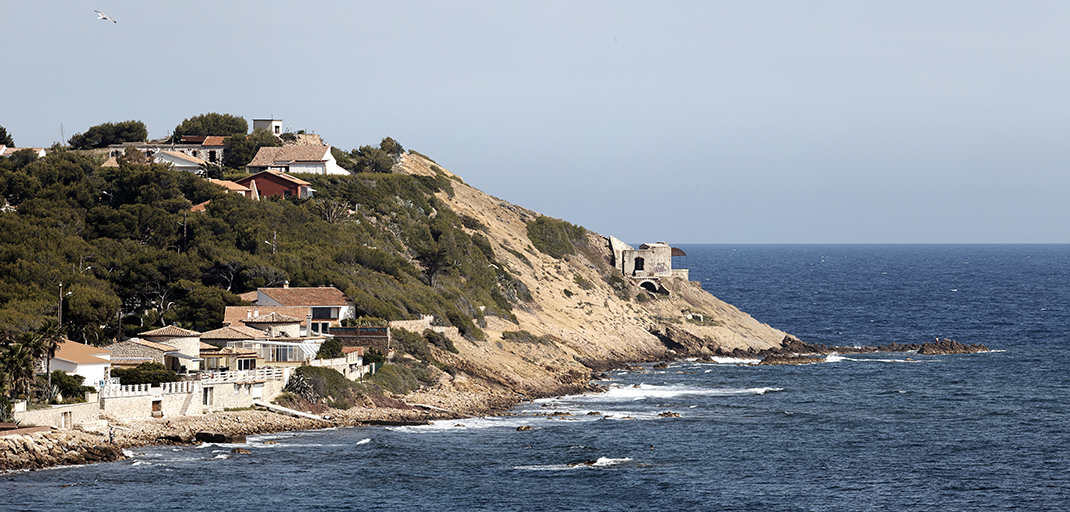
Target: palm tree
x=16 y=366
x=45 y=343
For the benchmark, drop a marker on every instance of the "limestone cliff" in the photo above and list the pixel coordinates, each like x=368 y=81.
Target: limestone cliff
x=580 y=330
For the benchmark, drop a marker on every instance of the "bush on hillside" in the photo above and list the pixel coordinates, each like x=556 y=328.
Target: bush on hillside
x=556 y=237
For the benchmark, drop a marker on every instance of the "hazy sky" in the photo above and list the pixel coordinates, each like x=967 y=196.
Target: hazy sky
x=723 y=122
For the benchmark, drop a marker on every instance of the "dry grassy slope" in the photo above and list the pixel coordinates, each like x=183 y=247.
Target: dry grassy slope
x=593 y=325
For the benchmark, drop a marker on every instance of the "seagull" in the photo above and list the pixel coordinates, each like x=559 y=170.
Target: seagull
x=102 y=16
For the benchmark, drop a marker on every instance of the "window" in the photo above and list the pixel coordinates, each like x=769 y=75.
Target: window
x=639 y=263
x=324 y=313
x=211 y=156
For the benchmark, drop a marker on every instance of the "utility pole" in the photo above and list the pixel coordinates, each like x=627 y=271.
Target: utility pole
x=59 y=314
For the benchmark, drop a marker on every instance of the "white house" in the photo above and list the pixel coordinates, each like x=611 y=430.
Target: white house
x=93 y=363
x=8 y=152
x=292 y=158
x=179 y=161
x=324 y=306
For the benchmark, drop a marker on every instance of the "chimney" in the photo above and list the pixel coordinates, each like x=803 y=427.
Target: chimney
x=256 y=313
x=285 y=284
x=248 y=313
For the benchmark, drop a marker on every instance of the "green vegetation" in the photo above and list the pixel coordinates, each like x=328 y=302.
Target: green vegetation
x=5 y=138
x=526 y=337
x=314 y=383
x=330 y=349
x=582 y=283
x=145 y=373
x=105 y=134
x=133 y=258
x=239 y=149
x=211 y=124
x=556 y=237
x=70 y=386
x=369 y=159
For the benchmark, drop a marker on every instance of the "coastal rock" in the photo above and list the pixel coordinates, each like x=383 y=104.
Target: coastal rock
x=240 y=450
x=669 y=414
x=524 y=428
x=790 y=360
x=213 y=437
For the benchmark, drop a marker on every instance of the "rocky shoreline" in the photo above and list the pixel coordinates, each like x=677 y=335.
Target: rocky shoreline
x=73 y=447
x=56 y=448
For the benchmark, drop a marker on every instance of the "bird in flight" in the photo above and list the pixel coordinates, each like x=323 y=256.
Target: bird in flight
x=102 y=16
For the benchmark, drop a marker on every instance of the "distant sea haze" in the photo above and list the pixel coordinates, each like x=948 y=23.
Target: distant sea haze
x=986 y=431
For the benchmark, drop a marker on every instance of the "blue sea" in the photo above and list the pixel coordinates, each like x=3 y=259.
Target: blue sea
x=886 y=431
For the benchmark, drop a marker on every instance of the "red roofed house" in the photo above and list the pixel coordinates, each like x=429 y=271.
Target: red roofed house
x=232 y=188
x=275 y=183
x=293 y=158
x=326 y=306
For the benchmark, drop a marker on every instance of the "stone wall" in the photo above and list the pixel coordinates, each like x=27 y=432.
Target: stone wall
x=144 y=401
x=131 y=350
x=61 y=417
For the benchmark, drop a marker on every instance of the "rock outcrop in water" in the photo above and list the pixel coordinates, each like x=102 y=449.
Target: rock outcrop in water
x=794 y=351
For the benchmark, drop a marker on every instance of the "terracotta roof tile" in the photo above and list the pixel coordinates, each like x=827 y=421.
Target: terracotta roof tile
x=230 y=185
x=232 y=332
x=267 y=156
x=78 y=353
x=282 y=175
x=213 y=140
x=171 y=330
x=320 y=296
x=158 y=346
x=273 y=318
x=238 y=315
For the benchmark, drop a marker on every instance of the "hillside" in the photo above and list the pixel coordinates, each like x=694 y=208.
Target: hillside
x=120 y=249
x=586 y=329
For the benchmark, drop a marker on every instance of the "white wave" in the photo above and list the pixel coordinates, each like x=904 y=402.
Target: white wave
x=836 y=358
x=735 y=360
x=141 y=463
x=601 y=462
x=366 y=440
x=762 y=391
x=222 y=456
x=656 y=392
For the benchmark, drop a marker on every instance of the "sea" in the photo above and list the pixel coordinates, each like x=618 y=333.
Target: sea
x=883 y=431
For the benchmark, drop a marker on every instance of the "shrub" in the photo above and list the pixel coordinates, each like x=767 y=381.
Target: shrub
x=330 y=349
x=145 y=373
x=556 y=237
x=523 y=336
x=70 y=386
x=582 y=283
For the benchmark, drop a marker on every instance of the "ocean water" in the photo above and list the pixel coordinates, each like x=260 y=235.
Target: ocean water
x=984 y=431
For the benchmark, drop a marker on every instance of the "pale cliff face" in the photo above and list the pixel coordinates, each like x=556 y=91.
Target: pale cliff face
x=595 y=325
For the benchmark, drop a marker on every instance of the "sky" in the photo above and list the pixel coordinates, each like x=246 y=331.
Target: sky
x=687 y=122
